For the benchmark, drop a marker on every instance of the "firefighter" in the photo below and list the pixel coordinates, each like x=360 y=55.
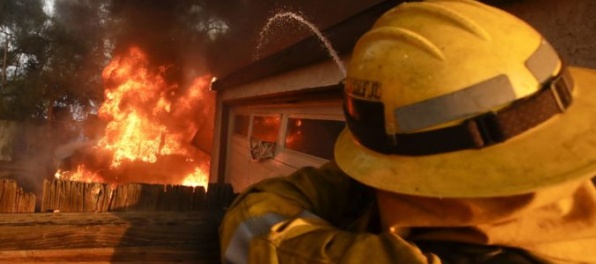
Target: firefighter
x=468 y=140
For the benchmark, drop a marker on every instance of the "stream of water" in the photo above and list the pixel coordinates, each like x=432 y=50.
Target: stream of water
x=313 y=28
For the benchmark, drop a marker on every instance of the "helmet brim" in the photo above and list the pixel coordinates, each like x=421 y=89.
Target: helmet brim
x=559 y=150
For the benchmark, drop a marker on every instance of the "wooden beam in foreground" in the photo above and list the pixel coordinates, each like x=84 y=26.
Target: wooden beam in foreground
x=141 y=237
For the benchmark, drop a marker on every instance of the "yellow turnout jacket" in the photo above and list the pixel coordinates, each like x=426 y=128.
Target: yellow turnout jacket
x=320 y=215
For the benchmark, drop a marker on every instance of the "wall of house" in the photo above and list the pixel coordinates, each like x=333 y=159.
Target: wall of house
x=276 y=140
x=237 y=153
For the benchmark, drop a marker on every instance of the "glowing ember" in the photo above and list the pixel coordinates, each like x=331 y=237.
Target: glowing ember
x=150 y=125
x=80 y=174
x=198 y=178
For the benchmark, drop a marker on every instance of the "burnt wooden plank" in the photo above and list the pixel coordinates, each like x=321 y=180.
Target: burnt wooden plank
x=105 y=196
x=183 y=198
x=219 y=196
x=61 y=192
x=189 y=196
x=29 y=204
x=138 y=236
x=149 y=197
x=167 y=200
x=13 y=199
x=8 y=196
x=90 y=197
x=76 y=196
x=198 y=198
x=132 y=196
x=52 y=197
x=136 y=197
x=45 y=196
x=177 y=198
x=25 y=202
x=118 y=201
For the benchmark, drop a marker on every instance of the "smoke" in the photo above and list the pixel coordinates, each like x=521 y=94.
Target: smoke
x=165 y=30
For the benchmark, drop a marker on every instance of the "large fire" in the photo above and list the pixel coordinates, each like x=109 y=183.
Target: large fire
x=150 y=126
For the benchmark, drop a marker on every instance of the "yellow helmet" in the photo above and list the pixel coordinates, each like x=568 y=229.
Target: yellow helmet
x=454 y=98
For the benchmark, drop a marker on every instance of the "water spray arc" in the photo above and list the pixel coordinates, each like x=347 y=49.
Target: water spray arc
x=290 y=15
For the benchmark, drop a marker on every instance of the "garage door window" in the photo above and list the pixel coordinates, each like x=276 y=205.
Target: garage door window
x=313 y=136
x=266 y=127
x=241 y=125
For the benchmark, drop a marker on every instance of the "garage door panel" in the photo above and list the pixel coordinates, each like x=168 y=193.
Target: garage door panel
x=319 y=125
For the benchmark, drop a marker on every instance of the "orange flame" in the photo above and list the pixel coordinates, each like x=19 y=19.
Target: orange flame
x=197 y=178
x=150 y=119
x=81 y=174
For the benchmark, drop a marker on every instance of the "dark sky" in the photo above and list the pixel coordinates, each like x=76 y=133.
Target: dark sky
x=246 y=20
x=170 y=30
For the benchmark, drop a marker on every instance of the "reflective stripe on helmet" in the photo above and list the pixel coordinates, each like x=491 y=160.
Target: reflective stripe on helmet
x=464 y=103
x=476 y=99
x=542 y=62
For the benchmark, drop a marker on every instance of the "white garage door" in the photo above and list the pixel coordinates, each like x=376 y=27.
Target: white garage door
x=269 y=141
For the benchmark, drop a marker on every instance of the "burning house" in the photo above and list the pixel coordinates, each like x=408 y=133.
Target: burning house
x=148 y=131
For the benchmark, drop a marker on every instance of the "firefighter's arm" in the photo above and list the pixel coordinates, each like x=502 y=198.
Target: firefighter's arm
x=287 y=220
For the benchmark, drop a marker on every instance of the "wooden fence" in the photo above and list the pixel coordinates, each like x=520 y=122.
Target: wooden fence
x=13 y=199
x=73 y=196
